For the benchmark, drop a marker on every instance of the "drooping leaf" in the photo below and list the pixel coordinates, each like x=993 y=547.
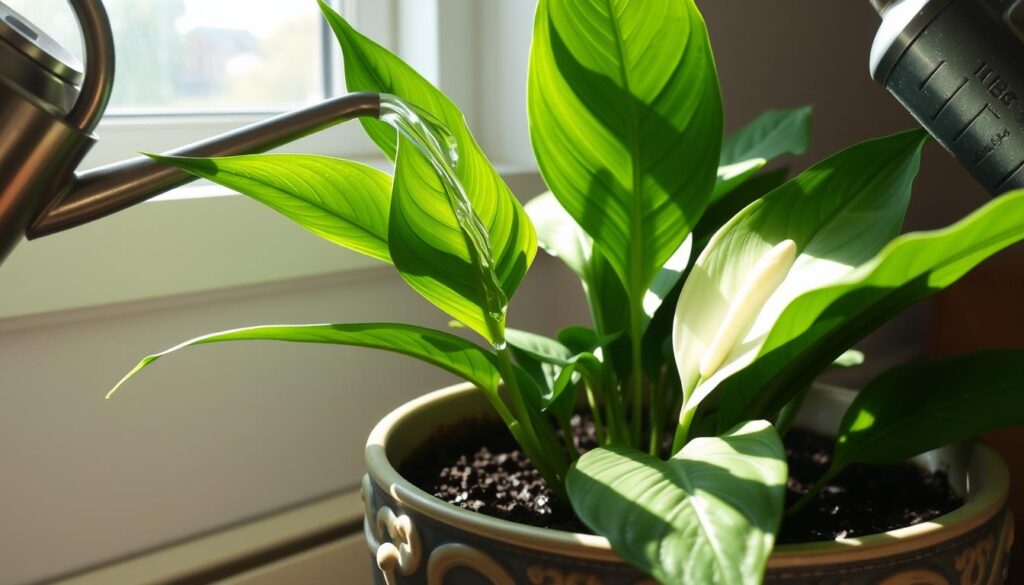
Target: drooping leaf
x=460 y=357
x=370 y=67
x=830 y=219
x=818 y=326
x=341 y=201
x=626 y=123
x=708 y=515
x=919 y=407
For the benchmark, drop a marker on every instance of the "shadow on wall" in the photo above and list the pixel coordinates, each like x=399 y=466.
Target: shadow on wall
x=786 y=53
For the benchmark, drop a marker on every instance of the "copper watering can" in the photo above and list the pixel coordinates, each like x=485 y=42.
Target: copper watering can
x=49 y=109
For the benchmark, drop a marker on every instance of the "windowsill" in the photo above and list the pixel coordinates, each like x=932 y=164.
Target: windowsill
x=196 y=239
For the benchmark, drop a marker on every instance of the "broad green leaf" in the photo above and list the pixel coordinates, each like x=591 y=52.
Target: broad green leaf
x=772 y=134
x=708 y=515
x=341 y=201
x=919 y=407
x=370 y=67
x=460 y=357
x=626 y=124
x=454 y=264
x=811 y=232
x=818 y=326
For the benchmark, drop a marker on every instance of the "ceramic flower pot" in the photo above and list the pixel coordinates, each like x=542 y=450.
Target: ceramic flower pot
x=415 y=538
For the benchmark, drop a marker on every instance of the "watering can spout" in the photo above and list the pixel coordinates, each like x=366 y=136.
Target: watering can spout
x=101 y=191
x=49 y=109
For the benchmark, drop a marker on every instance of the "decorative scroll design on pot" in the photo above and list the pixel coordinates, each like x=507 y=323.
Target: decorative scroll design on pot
x=998 y=574
x=449 y=556
x=393 y=539
x=974 y=561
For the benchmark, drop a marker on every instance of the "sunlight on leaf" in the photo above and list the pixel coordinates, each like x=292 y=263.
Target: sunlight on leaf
x=708 y=515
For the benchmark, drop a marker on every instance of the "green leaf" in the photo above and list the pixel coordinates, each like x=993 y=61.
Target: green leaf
x=772 y=134
x=540 y=347
x=454 y=265
x=460 y=357
x=818 y=326
x=584 y=339
x=341 y=201
x=811 y=232
x=708 y=515
x=919 y=407
x=370 y=67
x=541 y=357
x=626 y=123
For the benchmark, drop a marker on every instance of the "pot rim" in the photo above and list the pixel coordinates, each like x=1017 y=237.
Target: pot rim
x=981 y=507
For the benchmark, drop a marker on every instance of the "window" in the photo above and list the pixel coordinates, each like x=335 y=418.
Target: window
x=190 y=69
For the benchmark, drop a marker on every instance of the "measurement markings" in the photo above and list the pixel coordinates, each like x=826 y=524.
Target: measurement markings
x=945 y=104
x=976 y=117
x=931 y=75
x=1010 y=175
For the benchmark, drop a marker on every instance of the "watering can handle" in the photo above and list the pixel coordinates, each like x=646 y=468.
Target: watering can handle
x=98 y=42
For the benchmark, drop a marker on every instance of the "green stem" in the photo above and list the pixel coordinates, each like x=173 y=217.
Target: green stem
x=570 y=446
x=813 y=492
x=595 y=412
x=685 y=420
x=637 y=372
x=683 y=430
x=788 y=413
x=657 y=413
x=550 y=466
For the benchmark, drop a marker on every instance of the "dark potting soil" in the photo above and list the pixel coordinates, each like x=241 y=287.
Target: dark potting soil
x=478 y=467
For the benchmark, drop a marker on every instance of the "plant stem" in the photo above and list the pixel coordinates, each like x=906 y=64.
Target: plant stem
x=550 y=466
x=813 y=492
x=683 y=430
x=637 y=371
x=570 y=445
x=657 y=413
x=595 y=412
x=788 y=413
x=685 y=420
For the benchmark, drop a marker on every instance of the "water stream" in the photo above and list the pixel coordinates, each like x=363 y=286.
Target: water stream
x=440 y=147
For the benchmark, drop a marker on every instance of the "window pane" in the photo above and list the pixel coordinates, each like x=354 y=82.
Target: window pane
x=202 y=55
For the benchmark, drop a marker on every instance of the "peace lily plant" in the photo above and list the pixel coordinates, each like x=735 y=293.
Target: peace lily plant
x=719 y=290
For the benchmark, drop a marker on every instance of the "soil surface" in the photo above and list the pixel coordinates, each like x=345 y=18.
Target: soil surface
x=478 y=467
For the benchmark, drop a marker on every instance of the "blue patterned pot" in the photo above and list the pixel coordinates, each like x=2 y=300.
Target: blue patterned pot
x=415 y=538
